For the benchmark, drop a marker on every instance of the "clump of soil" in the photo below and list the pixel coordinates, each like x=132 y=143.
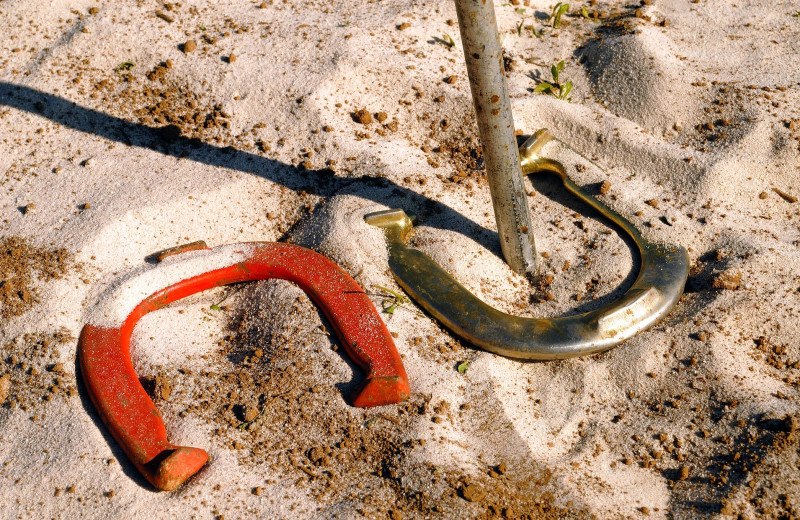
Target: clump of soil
x=30 y=373
x=730 y=280
x=22 y=267
x=362 y=116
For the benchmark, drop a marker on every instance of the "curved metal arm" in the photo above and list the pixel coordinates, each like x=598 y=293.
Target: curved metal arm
x=655 y=292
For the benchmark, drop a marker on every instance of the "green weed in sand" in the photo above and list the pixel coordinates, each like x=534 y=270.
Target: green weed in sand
x=558 y=11
x=555 y=88
x=125 y=65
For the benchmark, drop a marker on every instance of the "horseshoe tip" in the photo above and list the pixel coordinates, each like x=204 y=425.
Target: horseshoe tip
x=382 y=390
x=173 y=467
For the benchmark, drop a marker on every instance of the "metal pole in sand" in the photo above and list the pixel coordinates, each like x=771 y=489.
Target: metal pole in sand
x=484 y=57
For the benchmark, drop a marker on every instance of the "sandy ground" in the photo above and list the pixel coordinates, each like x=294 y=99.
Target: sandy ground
x=130 y=127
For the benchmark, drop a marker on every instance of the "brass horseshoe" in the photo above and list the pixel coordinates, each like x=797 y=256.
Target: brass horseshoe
x=655 y=292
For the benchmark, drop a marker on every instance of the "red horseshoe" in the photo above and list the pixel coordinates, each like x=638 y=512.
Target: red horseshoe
x=104 y=344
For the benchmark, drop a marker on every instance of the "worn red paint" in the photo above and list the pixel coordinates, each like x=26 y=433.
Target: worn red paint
x=134 y=421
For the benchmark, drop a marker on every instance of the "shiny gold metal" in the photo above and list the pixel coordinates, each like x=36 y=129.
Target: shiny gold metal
x=659 y=285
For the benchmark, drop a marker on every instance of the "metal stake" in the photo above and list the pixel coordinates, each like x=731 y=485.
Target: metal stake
x=484 y=57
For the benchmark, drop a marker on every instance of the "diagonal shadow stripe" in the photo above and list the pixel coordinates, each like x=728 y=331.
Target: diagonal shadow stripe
x=168 y=141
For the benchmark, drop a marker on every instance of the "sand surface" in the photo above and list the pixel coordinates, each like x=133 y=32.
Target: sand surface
x=130 y=127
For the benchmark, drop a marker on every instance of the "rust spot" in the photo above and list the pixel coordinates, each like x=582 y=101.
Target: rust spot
x=194 y=246
x=495 y=98
x=495 y=111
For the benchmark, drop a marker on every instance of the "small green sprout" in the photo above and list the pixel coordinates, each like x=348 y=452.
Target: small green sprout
x=202 y=27
x=217 y=307
x=463 y=367
x=392 y=300
x=520 y=10
x=585 y=14
x=556 y=69
x=537 y=34
x=556 y=88
x=558 y=10
x=519 y=27
x=391 y=303
x=125 y=65
x=448 y=40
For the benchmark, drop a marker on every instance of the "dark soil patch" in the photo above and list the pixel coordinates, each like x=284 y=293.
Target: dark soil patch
x=30 y=373
x=22 y=267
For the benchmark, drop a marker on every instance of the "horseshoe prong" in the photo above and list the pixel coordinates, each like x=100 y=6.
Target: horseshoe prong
x=104 y=344
x=656 y=290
